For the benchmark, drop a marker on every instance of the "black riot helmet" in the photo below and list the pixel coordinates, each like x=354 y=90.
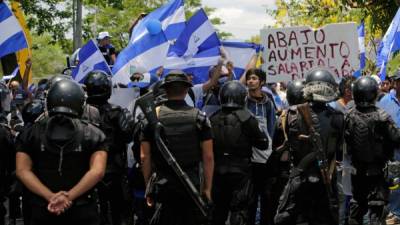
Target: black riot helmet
x=54 y=79
x=32 y=111
x=66 y=97
x=98 y=87
x=365 y=91
x=233 y=94
x=320 y=86
x=5 y=98
x=294 y=92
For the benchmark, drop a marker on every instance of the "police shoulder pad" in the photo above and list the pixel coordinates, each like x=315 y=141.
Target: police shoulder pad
x=243 y=114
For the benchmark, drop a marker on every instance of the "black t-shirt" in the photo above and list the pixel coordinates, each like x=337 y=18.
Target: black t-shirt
x=107 y=51
x=61 y=151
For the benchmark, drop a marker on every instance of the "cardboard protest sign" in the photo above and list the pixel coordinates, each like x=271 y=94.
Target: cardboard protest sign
x=292 y=51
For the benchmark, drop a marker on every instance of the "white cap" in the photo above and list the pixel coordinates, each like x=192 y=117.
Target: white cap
x=103 y=35
x=377 y=79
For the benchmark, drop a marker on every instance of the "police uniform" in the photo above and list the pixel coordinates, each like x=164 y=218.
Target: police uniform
x=279 y=160
x=117 y=125
x=305 y=198
x=371 y=136
x=61 y=147
x=185 y=128
x=235 y=131
x=7 y=157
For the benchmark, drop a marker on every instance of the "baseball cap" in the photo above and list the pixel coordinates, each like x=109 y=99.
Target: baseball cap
x=103 y=35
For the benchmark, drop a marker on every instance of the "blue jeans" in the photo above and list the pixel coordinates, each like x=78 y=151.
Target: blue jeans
x=394 y=197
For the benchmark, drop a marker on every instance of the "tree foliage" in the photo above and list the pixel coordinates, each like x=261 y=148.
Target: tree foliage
x=47 y=59
x=117 y=20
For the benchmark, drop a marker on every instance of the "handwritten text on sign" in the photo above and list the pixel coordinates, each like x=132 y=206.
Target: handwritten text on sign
x=291 y=52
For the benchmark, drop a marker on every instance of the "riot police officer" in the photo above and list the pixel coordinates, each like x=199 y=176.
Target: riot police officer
x=279 y=161
x=60 y=159
x=7 y=151
x=235 y=131
x=187 y=132
x=314 y=133
x=371 y=136
x=117 y=124
x=90 y=113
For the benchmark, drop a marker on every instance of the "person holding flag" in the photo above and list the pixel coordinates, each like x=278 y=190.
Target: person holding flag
x=106 y=48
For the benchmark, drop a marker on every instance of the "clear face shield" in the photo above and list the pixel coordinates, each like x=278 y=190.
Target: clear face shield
x=5 y=98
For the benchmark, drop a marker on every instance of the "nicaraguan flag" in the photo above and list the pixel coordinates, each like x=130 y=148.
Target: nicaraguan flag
x=12 y=37
x=196 y=49
x=150 y=50
x=240 y=54
x=12 y=75
x=361 y=44
x=197 y=65
x=389 y=44
x=90 y=59
x=171 y=16
x=198 y=35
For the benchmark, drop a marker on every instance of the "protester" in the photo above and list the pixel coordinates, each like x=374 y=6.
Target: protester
x=218 y=75
x=262 y=107
x=343 y=104
x=105 y=46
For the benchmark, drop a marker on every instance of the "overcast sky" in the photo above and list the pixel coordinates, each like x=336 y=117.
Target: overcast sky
x=243 y=18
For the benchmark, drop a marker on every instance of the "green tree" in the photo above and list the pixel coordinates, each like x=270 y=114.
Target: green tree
x=117 y=20
x=47 y=59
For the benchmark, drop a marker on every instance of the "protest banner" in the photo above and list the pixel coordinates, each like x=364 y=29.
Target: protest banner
x=292 y=51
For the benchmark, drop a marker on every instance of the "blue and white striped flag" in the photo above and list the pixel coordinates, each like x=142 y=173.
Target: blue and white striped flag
x=150 y=50
x=198 y=35
x=361 y=44
x=90 y=59
x=389 y=44
x=12 y=37
x=197 y=65
x=12 y=75
x=196 y=49
x=240 y=54
x=171 y=16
